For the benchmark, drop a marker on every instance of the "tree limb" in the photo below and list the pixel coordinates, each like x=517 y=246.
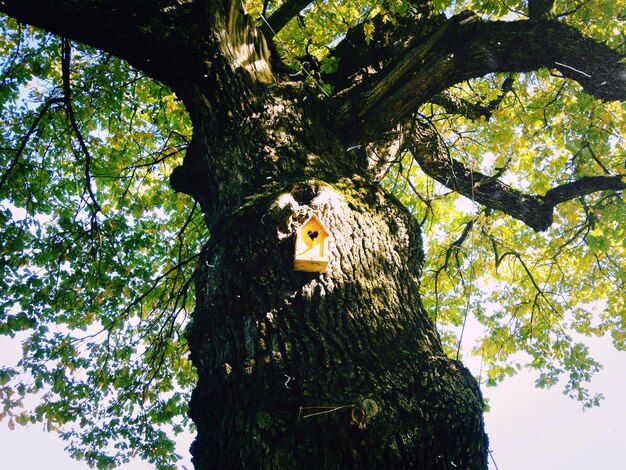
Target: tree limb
x=360 y=54
x=145 y=33
x=194 y=47
x=540 y=9
x=67 y=92
x=583 y=187
x=534 y=210
x=465 y=47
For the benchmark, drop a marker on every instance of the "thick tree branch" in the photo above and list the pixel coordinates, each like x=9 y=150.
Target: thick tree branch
x=360 y=55
x=540 y=9
x=534 y=210
x=584 y=186
x=465 y=47
x=241 y=41
x=196 y=47
x=145 y=33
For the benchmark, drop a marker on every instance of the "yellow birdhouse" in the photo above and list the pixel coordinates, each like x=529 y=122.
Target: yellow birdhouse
x=311 y=247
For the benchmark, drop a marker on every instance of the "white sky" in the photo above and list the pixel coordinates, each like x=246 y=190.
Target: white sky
x=531 y=428
x=528 y=428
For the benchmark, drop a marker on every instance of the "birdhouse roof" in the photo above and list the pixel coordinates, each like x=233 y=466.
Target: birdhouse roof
x=313 y=220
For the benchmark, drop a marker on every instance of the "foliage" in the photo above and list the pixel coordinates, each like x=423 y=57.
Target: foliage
x=97 y=263
x=98 y=253
x=538 y=294
x=534 y=293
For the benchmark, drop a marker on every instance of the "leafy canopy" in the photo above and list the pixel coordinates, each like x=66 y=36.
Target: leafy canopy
x=98 y=253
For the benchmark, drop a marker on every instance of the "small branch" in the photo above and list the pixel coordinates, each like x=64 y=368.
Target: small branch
x=154 y=285
x=597 y=160
x=26 y=138
x=474 y=111
x=15 y=54
x=538 y=289
x=572 y=11
x=453 y=248
x=456 y=244
x=66 y=52
x=427 y=202
x=318 y=413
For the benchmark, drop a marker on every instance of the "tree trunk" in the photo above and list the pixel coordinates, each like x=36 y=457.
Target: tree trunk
x=341 y=369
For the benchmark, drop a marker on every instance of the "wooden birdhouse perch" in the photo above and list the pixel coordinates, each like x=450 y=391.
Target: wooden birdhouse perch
x=311 y=253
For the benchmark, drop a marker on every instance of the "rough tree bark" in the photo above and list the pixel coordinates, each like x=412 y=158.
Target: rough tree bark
x=341 y=369
x=273 y=347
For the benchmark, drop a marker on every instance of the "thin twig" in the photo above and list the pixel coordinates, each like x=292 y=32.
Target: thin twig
x=26 y=138
x=331 y=409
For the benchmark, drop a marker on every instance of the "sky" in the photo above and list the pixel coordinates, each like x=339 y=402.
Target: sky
x=531 y=428
x=528 y=428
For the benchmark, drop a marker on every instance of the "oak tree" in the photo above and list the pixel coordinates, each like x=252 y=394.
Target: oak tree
x=466 y=159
